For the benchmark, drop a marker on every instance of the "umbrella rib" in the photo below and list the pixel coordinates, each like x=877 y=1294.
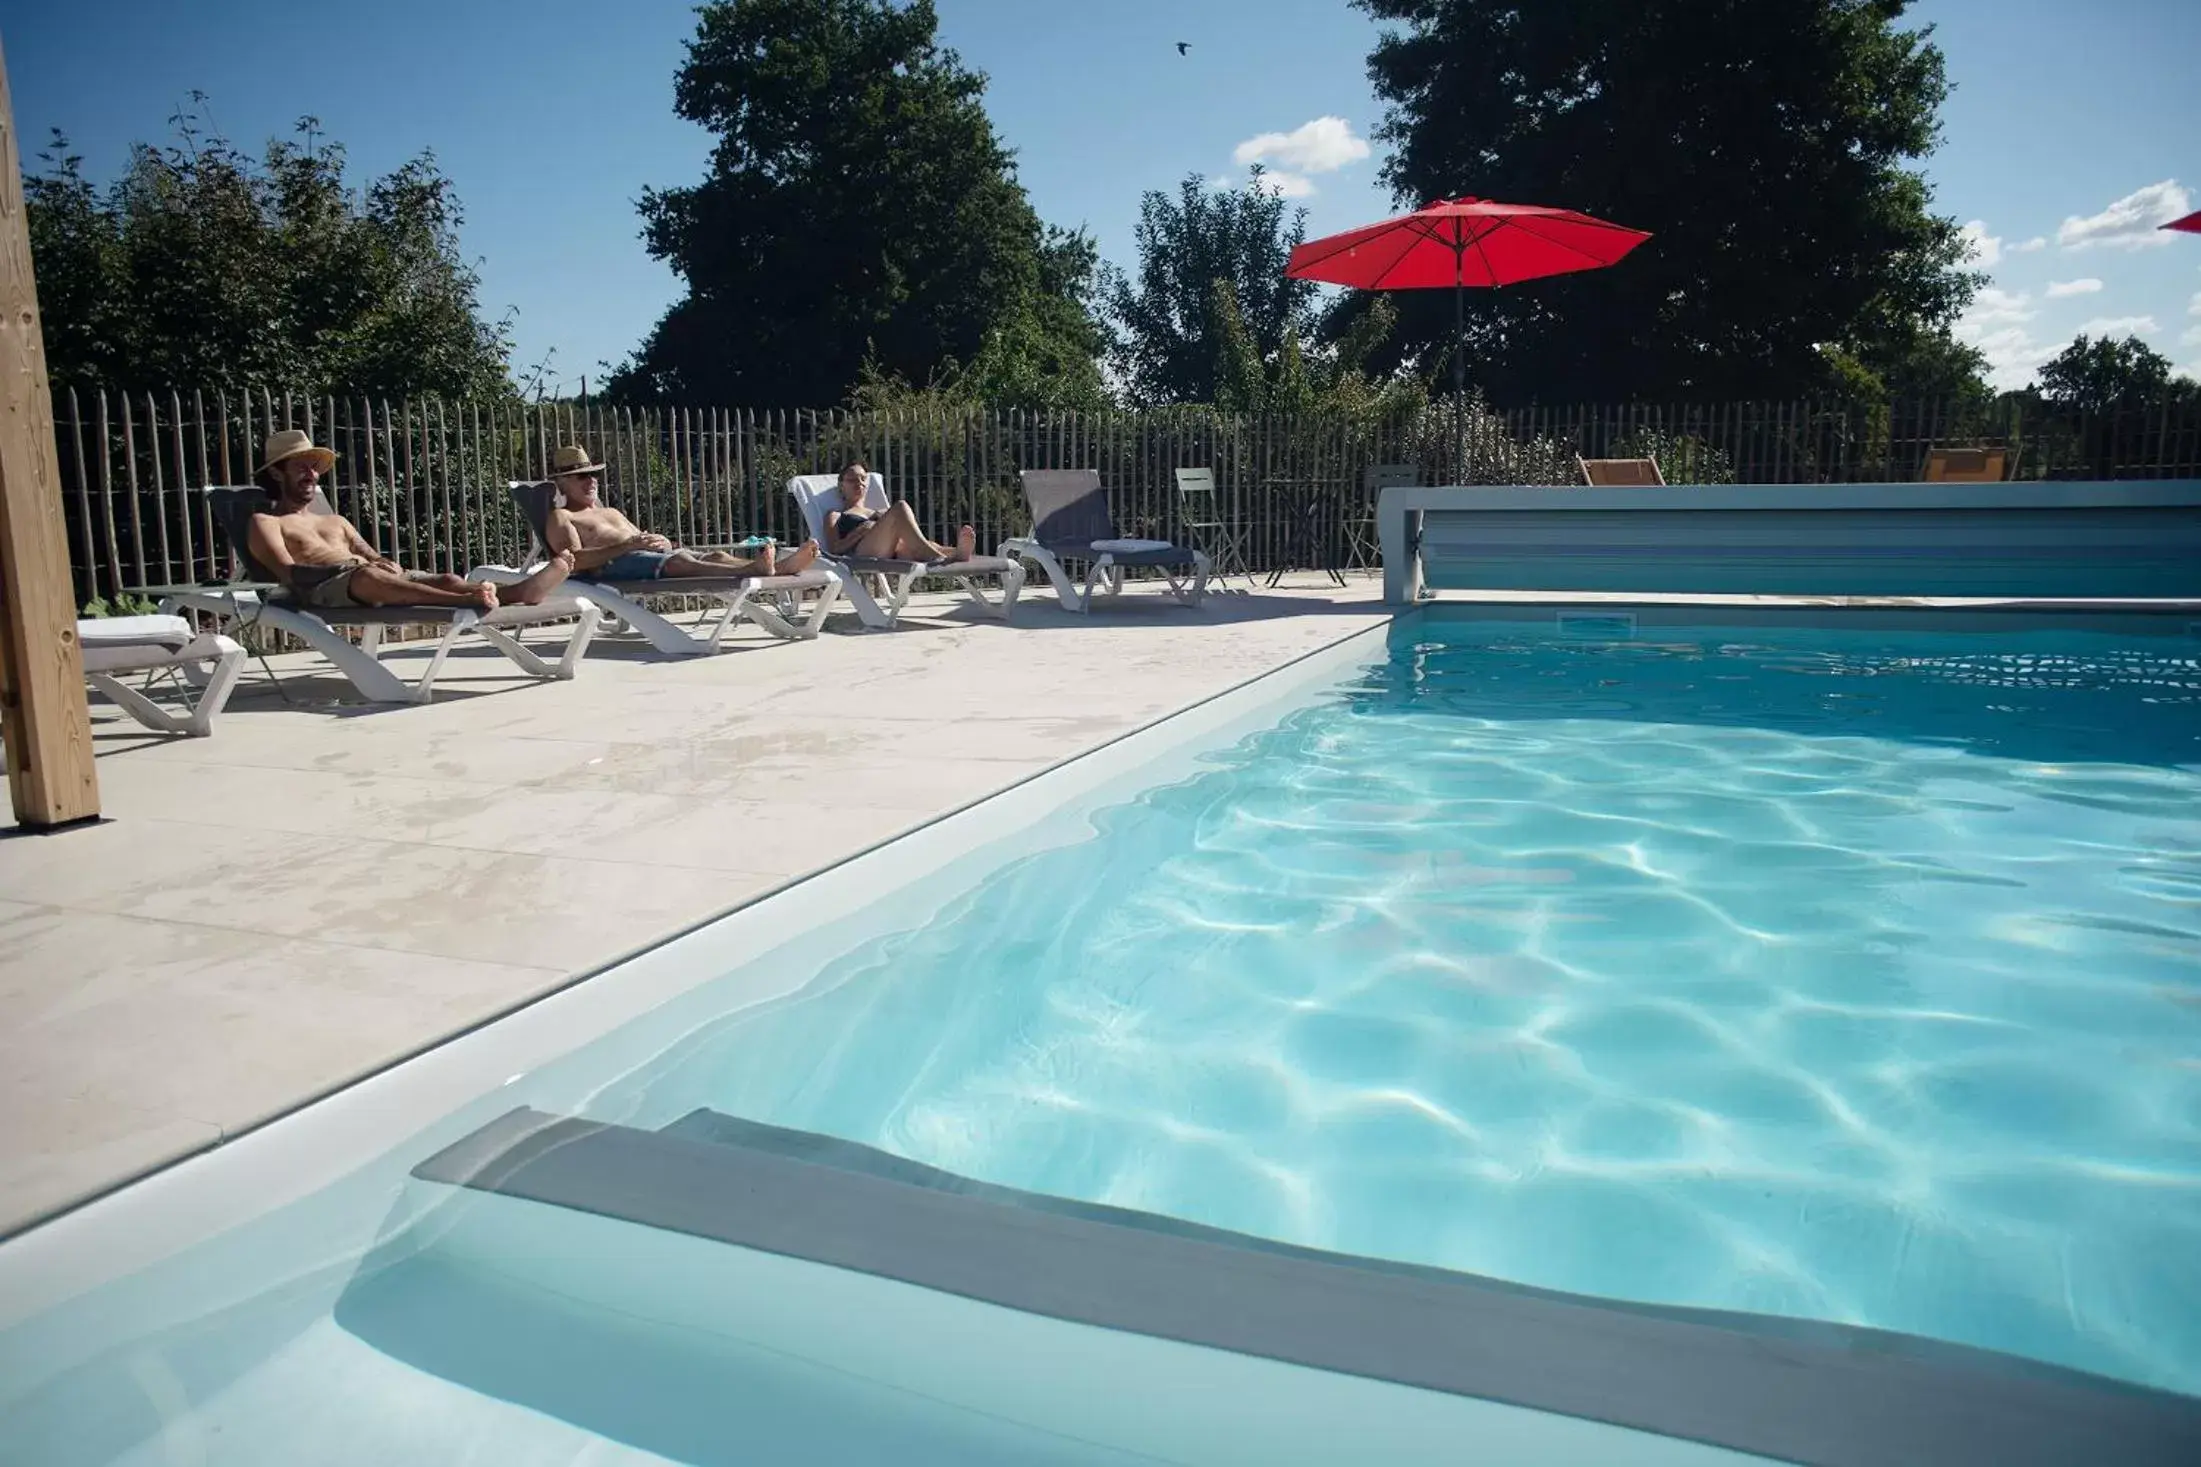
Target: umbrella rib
x=1427 y=230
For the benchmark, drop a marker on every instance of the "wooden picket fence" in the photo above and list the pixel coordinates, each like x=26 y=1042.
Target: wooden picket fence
x=426 y=479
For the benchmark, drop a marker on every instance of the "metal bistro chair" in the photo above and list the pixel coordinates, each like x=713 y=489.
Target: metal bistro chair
x=1200 y=516
x=1363 y=542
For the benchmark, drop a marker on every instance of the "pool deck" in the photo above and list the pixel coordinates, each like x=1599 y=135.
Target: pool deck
x=324 y=887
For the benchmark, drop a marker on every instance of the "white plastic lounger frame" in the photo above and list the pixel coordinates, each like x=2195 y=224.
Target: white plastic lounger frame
x=818 y=494
x=252 y=604
x=123 y=644
x=758 y=598
x=1070 y=521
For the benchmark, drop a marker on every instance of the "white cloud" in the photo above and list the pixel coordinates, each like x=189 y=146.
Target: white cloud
x=2193 y=307
x=2192 y=337
x=1321 y=146
x=1982 y=248
x=2132 y=222
x=2190 y=369
x=2037 y=242
x=1995 y=323
x=1994 y=306
x=2118 y=326
x=2011 y=354
x=2058 y=289
x=1286 y=185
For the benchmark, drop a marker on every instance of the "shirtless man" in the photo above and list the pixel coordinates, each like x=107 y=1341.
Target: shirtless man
x=328 y=565
x=604 y=544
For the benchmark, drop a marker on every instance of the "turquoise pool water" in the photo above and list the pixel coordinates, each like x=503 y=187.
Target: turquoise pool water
x=1849 y=975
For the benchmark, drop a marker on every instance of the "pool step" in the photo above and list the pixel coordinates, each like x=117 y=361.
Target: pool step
x=1794 y=1390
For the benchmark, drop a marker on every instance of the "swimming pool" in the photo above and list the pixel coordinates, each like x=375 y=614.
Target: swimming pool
x=1844 y=974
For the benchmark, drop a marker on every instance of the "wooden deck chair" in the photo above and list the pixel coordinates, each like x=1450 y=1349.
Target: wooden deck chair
x=1965 y=465
x=1621 y=473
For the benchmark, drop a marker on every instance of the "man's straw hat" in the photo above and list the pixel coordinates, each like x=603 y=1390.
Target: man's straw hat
x=289 y=444
x=572 y=459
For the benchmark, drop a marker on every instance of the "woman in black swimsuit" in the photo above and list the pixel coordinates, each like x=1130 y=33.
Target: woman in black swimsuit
x=891 y=535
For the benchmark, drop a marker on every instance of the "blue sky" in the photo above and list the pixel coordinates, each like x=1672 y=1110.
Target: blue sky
x=2071 y=130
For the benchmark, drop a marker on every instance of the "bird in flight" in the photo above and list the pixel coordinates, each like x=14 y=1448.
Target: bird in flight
x=1184 y=48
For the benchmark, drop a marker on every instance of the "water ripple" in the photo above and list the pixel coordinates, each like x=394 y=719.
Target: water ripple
x=1850 y=976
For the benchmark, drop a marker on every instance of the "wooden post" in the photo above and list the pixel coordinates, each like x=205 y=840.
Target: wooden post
x=44 y=719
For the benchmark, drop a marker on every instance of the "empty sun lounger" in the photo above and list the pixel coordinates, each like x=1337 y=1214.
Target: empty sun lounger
x=256 y=597
x=201 y=661
x=819 y=494
x=754 y=597
x=1071 y=522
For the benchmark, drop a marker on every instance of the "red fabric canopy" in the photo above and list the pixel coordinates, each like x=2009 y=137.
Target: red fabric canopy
x=1463 y=242
x=2191 y=223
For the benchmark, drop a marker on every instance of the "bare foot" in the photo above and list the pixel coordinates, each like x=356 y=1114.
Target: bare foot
x=966 y=544
x=485 y=593
x=537 y=588
x=800 y=561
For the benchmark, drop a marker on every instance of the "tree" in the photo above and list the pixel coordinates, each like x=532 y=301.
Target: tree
x=858 y=208
x=201 y=267
x=1194 y=251
x=1763 y=143
x=1044 y=352
x=2097 y=375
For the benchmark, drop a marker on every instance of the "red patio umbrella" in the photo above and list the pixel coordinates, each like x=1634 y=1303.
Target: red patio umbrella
x=1463 y=242
x=2191 y=223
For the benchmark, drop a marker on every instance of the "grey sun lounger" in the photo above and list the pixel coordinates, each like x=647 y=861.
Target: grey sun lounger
x=256 y=597
x=205 y=661
x=816 y=494
x=1070 y=522
x=754 y=597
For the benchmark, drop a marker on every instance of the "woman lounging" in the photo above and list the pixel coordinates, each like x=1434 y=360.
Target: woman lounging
x=891 y=534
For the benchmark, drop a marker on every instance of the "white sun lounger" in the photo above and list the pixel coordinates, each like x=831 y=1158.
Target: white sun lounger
x=257 y=599
x=1071 y=522
x=754 y=597
x=210 y=663
x=819 y=495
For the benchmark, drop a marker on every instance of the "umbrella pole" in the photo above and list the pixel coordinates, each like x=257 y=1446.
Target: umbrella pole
x=1459 y=368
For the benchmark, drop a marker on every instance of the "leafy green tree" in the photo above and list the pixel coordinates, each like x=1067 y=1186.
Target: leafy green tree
x=203 y=267
x=858 y=207
x=1169 y=333
x=1766 y=144
x=1044 y=351
x=1320 y=386
x=2097 y=374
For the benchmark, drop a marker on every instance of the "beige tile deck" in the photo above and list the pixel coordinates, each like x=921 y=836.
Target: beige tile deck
x=321 y=887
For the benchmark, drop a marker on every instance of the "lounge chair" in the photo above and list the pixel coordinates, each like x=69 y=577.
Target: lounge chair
x=819 y=495
x=1964 y=466
x=1621 y=473
x=255 y=597
x=1071 y=522
x=163 y=644
x=754 y=597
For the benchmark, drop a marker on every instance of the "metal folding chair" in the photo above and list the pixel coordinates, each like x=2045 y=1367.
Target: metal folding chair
x=1200 y=517
x=1363 y=544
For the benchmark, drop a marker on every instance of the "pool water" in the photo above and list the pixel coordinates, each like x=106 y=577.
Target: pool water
x=1841 y=974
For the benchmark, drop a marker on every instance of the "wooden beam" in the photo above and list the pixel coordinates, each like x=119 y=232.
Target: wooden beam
x=44 y=720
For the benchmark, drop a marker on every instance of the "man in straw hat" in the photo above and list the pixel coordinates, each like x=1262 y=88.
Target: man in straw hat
x=605 y=545
x=328 y=564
